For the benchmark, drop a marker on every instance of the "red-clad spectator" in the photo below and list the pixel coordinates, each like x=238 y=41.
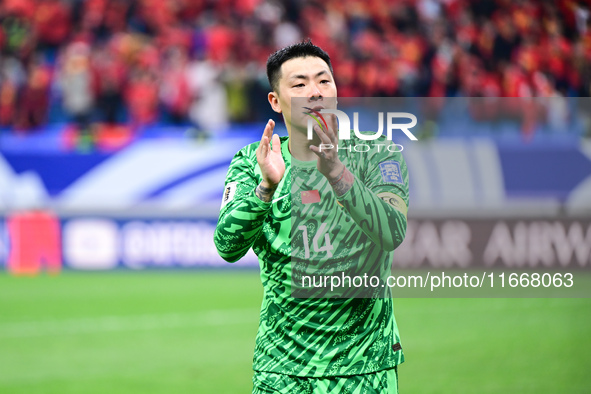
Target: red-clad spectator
x=515 y=83
x=174 y=88
x=491 y=92
x=159 y=15
x=110 y=75
x=22 y=8
x=174 y=37
x=556 y=52
x=519 y=90
x=345 y=73
x=467 y=32
x=528 y=56
x=525 y=15
x=586 y=41
x=147 y=57
x=486 y=41
x=141 y=97
x=115 y=16
x=389 y=85
x=491 y=85
x=441 y=74
x=93 y=13
x=34 y=100
x=220 y=41
x=411 y=49
x=455 y=8
x=506 y=40
x=470 y=75
x=190 y=10
x=367 y=44
x=477 y=82
x=369 y=78
x=52 y=22
x=566 y=9
x=245 y=8
x=8 y=96
x=2 y=37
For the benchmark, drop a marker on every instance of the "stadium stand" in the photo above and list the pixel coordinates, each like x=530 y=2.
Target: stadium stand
x=146 y=62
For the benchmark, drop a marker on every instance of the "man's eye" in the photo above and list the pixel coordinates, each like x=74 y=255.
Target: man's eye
x=299 y=85
x=325 y=81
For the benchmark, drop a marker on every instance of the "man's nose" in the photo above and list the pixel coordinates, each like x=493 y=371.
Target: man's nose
x=314 y=93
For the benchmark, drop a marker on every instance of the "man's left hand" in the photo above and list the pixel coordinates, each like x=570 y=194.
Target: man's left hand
x=329 y=163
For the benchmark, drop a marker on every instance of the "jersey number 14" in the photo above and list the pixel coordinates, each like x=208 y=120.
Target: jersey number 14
x=328 y=248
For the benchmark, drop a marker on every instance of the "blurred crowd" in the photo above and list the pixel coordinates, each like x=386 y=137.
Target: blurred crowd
x=202 y=62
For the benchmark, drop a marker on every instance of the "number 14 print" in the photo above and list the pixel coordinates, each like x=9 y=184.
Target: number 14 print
x=317 y=249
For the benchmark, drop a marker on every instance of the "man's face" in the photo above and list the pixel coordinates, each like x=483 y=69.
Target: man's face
x=305 y=83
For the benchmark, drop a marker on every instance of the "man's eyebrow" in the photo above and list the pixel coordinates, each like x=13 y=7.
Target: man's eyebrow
x=301 y=76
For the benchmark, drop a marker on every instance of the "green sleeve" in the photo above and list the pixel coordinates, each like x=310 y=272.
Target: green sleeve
x=378 y=203
x=242 y=213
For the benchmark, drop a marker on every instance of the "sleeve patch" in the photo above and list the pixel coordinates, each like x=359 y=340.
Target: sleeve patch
x=391 y=172
x=229 y=193
x=394 y=200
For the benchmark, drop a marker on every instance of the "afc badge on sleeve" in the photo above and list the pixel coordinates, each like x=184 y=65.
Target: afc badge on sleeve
x=391 y=172
x=229 y=193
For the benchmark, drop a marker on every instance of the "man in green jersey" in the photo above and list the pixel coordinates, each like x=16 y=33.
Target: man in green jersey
x=293 y=200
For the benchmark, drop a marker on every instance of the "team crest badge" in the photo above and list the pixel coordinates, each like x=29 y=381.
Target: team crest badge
x=391 y=172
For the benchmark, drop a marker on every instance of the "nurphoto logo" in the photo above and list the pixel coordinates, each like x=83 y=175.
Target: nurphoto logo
x=344 y=123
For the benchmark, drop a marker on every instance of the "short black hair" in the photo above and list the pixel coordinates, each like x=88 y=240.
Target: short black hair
x=301 y=49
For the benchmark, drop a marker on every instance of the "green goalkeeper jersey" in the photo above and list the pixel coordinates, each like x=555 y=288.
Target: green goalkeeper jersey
x=307 y=231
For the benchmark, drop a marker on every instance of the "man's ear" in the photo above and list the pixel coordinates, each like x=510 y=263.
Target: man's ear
x=274 y=101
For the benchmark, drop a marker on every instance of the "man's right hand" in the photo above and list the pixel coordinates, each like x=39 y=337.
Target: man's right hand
x=270 y=162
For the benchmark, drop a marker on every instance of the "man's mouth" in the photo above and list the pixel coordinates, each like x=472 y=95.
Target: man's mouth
x=314 y=109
